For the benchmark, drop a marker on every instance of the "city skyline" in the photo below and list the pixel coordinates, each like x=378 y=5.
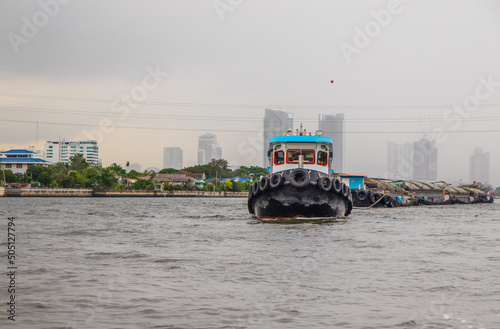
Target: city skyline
x=182 y=71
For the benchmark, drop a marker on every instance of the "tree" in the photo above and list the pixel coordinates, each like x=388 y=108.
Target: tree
x=64 y=179
x=44 y=178
x=251 y=172
x=238 y=187
x=133 y=174
x=221 y=163
x=142 y=184
x=214 y=168
x=107 y=178
x=228 y=185
x=10 y=177
x=92 y=175
x=78 y=162
x=117 y=169
x=168 y=171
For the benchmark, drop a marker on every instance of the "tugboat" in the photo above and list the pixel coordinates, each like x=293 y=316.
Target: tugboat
x=300 y=182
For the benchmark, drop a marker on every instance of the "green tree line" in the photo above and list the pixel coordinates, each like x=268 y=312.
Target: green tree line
x=78 y=173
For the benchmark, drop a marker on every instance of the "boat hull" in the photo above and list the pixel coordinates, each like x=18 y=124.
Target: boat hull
x=289 y=201
x=292 y=202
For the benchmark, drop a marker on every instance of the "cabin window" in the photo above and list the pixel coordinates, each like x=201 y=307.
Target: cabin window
x=322 y=158
x=279 y=157
x=293 y=156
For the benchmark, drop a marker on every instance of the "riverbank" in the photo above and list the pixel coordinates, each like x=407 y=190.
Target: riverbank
x=22 y=192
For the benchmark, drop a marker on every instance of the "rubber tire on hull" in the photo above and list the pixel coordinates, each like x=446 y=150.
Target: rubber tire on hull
x=387 y=200
x=296 y=174
x=345 y=190
x=264 y=184
x=361 y=195
x=325 y=184
x=337 y=186
x=250 y=205
x=275 y=181
x=255 y=189
x=374 y=197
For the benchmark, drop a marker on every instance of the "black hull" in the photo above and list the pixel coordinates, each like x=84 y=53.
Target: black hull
x=289 y=201
x=369 y=199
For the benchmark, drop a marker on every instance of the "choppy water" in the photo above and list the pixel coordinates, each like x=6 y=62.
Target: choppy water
x=204 y=263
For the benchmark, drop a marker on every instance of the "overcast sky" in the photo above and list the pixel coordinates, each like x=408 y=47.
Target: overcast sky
x=399 y=68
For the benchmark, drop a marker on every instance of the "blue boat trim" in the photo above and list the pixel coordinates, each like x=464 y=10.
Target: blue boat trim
x=302 y=139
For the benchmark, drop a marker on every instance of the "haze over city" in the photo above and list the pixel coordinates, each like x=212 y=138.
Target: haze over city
x=140 y=76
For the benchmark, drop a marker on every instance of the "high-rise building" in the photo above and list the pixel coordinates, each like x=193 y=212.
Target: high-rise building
x=333 y=127
x=172 y=158
x=425 y=160
x=399 y=161
x=208 y=149
x=275 y=124
x=63 y=150
x=479 y=166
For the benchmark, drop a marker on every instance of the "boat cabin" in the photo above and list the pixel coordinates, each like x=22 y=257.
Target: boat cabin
x=300 y=151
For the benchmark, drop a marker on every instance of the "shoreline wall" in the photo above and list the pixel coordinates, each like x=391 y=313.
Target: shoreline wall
x=21 y=192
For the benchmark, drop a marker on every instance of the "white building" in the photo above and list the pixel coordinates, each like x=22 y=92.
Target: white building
x=18 y=161
x=62 y=151
x=172 y=158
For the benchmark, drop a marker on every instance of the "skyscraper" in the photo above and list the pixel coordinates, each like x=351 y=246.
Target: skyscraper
x=208 y=149
x=479 y=166
x=275 y=124
x=399 y=160
x=425 y=160
x=172 y=158
x=333 y=127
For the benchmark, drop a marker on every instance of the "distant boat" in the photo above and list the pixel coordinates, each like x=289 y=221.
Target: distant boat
x=300 y=182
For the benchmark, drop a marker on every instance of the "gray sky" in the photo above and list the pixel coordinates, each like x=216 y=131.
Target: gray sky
x=219 y=64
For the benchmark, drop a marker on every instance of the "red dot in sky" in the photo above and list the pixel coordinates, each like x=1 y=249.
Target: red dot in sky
x=331 y=81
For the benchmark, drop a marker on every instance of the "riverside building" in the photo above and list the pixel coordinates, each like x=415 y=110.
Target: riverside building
x=63 y=150
x=19 y=160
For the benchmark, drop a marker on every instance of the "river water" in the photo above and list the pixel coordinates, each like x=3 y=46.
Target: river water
x=205 y=263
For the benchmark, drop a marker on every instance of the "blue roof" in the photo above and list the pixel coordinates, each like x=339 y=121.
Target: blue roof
x=310 y=139
x=24 y=160
x=19 y=151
